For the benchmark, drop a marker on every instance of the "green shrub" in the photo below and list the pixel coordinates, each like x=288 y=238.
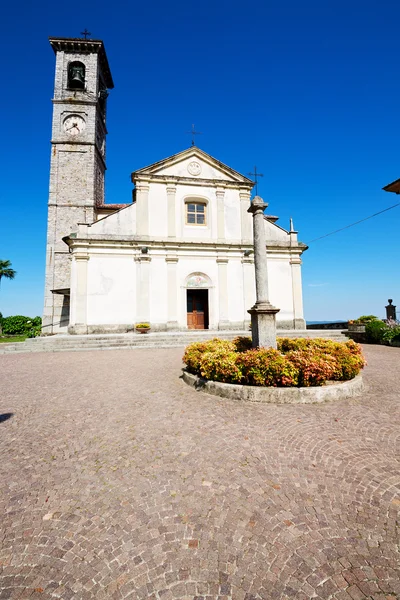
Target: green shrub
x=296 y=362
x=374 y=331
x=363 y=320
x=268 y=367
x=20 y=325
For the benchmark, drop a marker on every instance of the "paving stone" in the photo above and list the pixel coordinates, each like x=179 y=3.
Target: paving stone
x=119 y=481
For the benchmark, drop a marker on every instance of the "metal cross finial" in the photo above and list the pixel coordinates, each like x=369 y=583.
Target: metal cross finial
x=255 y=175
x=193 y=133
x=85 y=33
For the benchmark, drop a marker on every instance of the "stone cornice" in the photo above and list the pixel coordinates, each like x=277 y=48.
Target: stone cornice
x=136 y=242
x=175 y=180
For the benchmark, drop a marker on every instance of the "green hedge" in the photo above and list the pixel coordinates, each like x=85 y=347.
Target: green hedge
x=20 y=325
x=382 y=332
x=296 y=362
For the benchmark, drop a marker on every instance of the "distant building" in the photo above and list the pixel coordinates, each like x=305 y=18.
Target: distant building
x=178 y=257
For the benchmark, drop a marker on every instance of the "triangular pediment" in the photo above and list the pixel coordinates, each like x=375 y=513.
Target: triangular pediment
x=192 y=164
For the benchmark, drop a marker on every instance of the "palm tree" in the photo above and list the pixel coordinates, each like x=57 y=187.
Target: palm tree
x=6 y=270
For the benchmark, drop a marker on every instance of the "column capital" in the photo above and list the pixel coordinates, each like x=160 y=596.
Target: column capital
x=222 y=260
x=142 y=186
x=244 y=195
x=220 y=192
x=171 y=188
x=257 y=205
x=81 y=256
x=142 y=259
x=171 y=260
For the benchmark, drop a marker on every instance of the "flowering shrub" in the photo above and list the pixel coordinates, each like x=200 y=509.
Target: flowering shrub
x=266 y=366
x=221 y=365
x=195 y=352
x=314 y=366
x=296 y=362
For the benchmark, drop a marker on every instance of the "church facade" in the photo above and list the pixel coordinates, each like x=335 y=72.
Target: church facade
x=179 y=257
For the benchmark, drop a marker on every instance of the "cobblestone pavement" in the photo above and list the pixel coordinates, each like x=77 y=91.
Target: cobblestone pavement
x=119 y=481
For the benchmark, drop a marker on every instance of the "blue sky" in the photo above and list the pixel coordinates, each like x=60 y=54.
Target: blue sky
x=307 y=91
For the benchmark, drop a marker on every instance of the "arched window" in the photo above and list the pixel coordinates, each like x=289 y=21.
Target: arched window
x=76 y=75
x=196 y=212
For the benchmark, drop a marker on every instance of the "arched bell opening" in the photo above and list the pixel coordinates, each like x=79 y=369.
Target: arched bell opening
x=76 y=75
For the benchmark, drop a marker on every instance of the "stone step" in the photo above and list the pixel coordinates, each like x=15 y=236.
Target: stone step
x=70 y=343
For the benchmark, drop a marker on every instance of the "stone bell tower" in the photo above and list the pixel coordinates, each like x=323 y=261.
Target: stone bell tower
x=77 y=161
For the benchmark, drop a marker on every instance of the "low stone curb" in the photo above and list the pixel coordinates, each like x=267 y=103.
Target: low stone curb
x=277 y=395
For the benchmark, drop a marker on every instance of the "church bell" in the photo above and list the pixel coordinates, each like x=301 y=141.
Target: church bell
x=76 y=79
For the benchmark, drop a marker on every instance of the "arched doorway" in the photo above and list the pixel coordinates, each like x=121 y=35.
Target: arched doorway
x=197 y=301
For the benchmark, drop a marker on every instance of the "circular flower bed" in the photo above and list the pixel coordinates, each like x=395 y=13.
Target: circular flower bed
x=296 y=363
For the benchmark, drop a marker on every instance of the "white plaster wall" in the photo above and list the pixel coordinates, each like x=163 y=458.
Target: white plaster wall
x=235 y=291
x=158 y=210
x=111 y=290
x=274 y=232
x=158 y=290
x=280 y=286
x=232 y=215
x=122 y=222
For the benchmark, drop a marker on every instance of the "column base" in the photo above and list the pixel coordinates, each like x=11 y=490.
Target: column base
x=78 y=329
x=263 y=325
x=172 y=326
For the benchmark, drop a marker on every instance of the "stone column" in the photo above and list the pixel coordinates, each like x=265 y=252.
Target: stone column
x=172 y=283
x=143 y=288
x=222 y=262
x=81 y=268
x=142 y=208
x=220 y=194
x=171 y=192
x=263 y=321
x=245 y=221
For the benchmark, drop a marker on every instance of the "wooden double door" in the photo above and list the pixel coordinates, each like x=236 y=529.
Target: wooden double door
x=197 y=309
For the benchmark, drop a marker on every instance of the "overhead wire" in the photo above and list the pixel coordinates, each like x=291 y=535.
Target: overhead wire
x=355 y=223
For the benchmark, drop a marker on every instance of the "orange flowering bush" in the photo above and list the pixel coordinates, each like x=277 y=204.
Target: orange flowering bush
x=267 y=366
x=296 y=362
x=221 y=365
x=194 y=352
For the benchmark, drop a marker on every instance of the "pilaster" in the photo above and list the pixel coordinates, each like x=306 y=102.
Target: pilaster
x=172 y=284
x=143 y=288
x=222 y=262
x=297 y=293
x=220 y=194
x=142 y=208
x=81 y=259
x=245 y=221
x=171 y=195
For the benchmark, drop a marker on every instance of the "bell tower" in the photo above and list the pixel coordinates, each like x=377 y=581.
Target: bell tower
x=77 y=167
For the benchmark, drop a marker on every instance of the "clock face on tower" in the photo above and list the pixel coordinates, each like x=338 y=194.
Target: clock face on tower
x=74 y=125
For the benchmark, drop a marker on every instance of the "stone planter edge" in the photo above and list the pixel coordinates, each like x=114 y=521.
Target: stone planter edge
x=275 y=395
